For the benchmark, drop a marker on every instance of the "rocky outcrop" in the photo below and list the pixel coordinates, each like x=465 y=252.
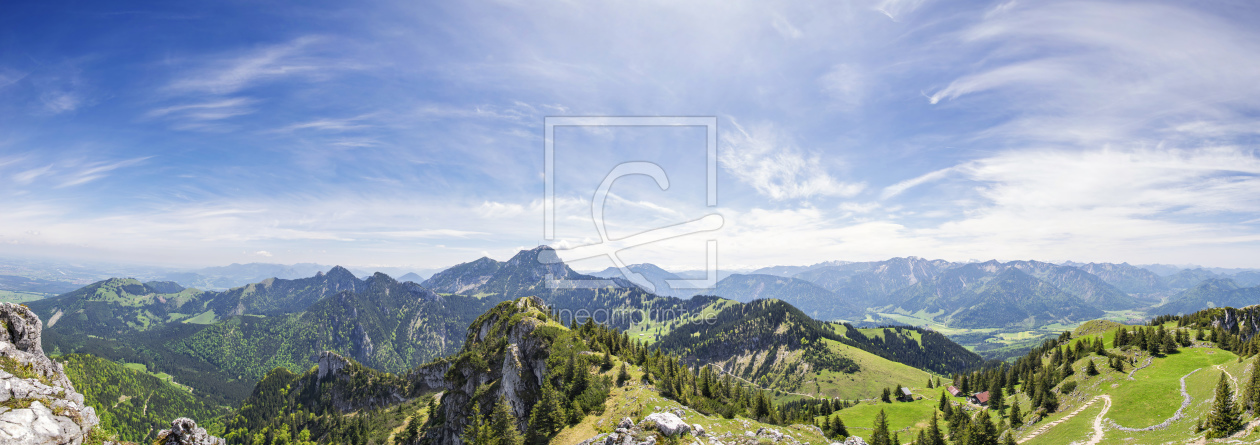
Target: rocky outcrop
x=668 y=424
x=184 y=431
x=335 y=376
x=501 y=347
x=38 y=405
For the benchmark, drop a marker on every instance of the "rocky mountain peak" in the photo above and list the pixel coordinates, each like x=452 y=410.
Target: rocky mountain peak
x=40 y=404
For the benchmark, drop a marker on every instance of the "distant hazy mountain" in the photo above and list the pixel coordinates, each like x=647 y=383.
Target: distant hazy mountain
x=657 y=276
x=994 y=294
x=1188 y=278
x=412 y=277
x=1247 y=279
x=1127 y=278
x=871 y=284
x=1216 y=292
x=1089 y=288
x=812 y=299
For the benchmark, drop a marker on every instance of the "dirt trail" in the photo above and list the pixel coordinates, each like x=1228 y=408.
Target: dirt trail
x=1097 y=421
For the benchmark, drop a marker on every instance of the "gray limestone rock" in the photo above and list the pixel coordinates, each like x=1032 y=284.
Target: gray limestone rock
x=184 y=431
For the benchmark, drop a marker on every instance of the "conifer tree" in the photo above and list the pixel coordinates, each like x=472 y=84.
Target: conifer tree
x=503 y=425
x=623 y=375
x=982 y=430
x=1251 y=394
x=476 y=431
x=944 y=403
x=1091 y=369
x=934 y=436
x=879 y=433
x=839 y=428
x=547 y=417
x=1224 y=419
x=885 y=396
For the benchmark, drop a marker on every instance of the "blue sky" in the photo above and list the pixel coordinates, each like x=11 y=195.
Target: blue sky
x=411 y=133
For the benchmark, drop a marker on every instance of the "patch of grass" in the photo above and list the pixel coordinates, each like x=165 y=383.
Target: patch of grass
x=1076 y=429
x=875 y=374
x=206 y=317
x=636 y=401
x=906 y=418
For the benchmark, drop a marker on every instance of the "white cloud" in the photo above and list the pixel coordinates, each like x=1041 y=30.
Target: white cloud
x=84 y=174
x=844 y=84
x=777 y=169
x=896 y=9
x=57 y=102
x=785 y=28
x=227 y=75
x=898 y=188
x=263 y=253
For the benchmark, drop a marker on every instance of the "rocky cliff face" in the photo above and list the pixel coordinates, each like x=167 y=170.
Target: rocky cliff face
x=38 y=405
x=342 y=382
x=501 y=347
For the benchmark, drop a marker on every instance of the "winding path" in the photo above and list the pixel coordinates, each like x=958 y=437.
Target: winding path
x=1139 y=368
x=1097 y=422
x=1099 y=428
x=1185 y=403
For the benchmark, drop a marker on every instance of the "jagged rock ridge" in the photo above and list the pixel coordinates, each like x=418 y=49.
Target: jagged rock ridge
x=40 y=406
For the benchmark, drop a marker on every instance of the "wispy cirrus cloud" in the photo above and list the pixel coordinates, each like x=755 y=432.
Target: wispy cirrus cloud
x=85 y=173
x=230 y=73
x=766 y=160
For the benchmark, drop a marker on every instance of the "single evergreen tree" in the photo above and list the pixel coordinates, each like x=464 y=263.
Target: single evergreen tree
x=934 y=436
x=944 y=403
x=623 y=375
x=885 y=397
x=1224 y=419
x=476 y=431
x=1091 y=369
x=1017 y=419
x=1251 y=394
x=547 y=417
x=839 y=428
x=879 y=433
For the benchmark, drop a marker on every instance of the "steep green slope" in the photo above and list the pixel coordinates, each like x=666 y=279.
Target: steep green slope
x=390 y=326
x=777 y=346
x=134 y=404
x=118 y=306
